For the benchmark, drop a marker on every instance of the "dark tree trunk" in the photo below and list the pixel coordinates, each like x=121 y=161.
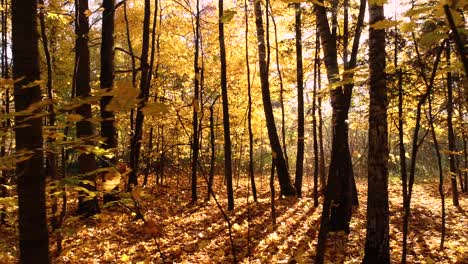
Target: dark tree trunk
x=227 y=133
x=408 y=183
x=300 y=102
x=451 y=133
x=377 y=237
x=84 y=128
x=195 y=105
x=249 y=113
x=341 y=190
x=33 y=233
x=212 y=146
x=441 y=174
x=6 y=123
x=286 y=186
x=314 y=123
x=143 y=96
x=322 y=169
x=108 y=130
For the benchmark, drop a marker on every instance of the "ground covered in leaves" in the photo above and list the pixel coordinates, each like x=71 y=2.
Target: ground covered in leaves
x=176 y=231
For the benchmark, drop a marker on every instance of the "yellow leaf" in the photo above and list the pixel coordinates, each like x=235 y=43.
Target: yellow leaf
x=125 y=258
x=74 y=118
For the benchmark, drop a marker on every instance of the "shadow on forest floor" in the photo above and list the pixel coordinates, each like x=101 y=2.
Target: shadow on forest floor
x=197 y=233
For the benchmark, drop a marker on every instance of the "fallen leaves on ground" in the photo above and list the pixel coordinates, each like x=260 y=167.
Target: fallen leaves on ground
x=177 y=231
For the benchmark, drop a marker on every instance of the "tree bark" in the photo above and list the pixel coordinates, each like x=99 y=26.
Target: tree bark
x=143 y=96
x=249 y=113
x=314 y=123
x=300 y=102
x=84 y=128
x=195 y=105
x=108 y=130
x=451 y=133
x=340 y=193
x=224 y=94
x=377 y=237
x=33 y=233
x=286 y=186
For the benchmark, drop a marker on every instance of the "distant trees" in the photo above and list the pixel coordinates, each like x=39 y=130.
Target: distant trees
x=33 y=233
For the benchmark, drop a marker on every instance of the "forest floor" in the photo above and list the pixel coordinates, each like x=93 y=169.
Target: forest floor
x=187 y=233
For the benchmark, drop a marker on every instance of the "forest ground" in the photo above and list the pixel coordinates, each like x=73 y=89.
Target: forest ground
x=187 y=233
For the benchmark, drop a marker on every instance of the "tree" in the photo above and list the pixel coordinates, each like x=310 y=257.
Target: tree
x=135 y=145
x=300 y=102
x=341 y=187
x=227 y=133
x=277 y=154
x=108 y=130
x=249 y=111
x=87 y=206
x=451 y=134
x=33 y=233
x=377 y=236
x=195 y=104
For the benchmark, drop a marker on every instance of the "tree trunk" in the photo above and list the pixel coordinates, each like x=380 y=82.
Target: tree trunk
x=300 y=102
x=108 y=130
x=441 y=175
x=33 y=233
x=340 y=193
x=377 y=237
x=195 y=105
x=277 y=154
x=280 y=77
x=249 y=113
x=451 y=133
x=227 y=133
x=212 y=146
x=143 y=96
x=314 y=123
x=84 y=128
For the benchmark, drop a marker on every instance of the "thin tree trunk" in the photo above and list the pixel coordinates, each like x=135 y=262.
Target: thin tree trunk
x=272 y=193
x=249 y=113
x=314 y=124
x=133 y=64
x=212 y=146
x=280 y=77
x=322 y=169
x=227 y=133
x=451 y=133
x=441 y=174
x=300 y=102
x=33 y=233
x=195 y=105
x=135 y=145
x=286 y=186
x=408 y=183
x=377 y=236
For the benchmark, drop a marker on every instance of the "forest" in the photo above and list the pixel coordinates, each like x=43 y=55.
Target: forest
x=237 y=131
